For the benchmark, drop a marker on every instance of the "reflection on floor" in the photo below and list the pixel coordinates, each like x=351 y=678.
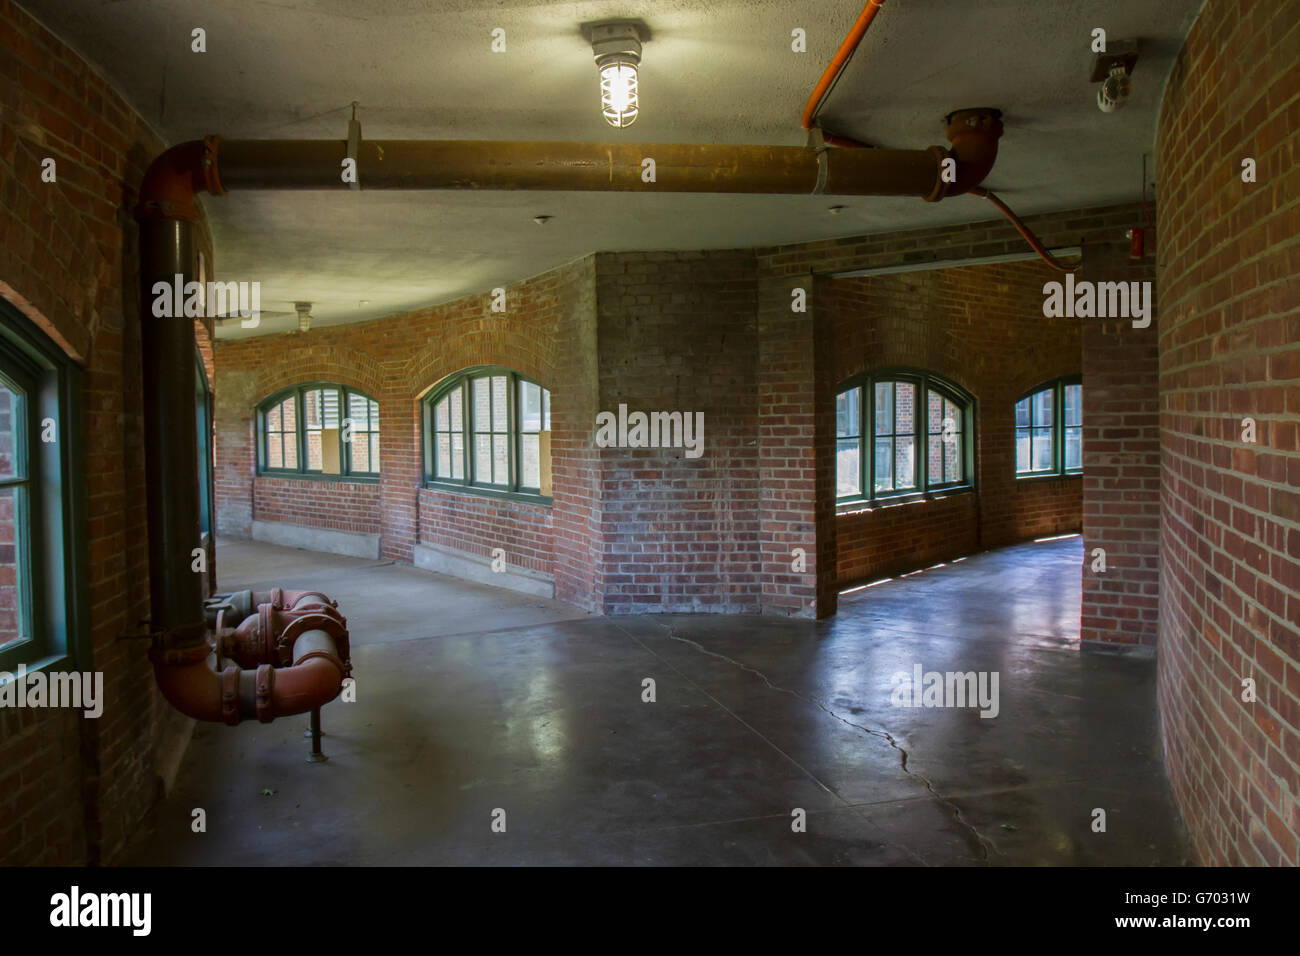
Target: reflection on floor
x=473 y=700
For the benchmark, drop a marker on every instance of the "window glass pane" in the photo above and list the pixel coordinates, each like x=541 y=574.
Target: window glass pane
x=457 y=412
x=12 y=464
x=457 y=453
x=952 y=459
x=848 y=473
x=905 y=412
x=530 y=407
x=935 y=403
x=442 y=415
x=274 y=451
x=1042 y=441
x=952 y=412
x=884 y=408
x=290 y=450
x=546 y=410
x=500 y=459
x=1074 y=447
x=1022 y=413
x=1022 y=449
x=884 y=476
x=530 y=464
x=289 y=415
x=14 y=567
x=359 y=411
x=905 y=461
x=374 y=450
x=846 y=413
x=374 y=416
x=499 y=407
x=1073 y=405
x=482 y=398
x=442 y=461
x=273 y=419
x=360 y=452
x=483 y=458
x=1042 y=407
x=311 y=408
x=934 y=459
x=313 y=451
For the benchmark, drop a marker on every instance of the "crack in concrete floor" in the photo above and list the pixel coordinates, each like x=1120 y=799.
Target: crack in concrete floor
x=984 y=844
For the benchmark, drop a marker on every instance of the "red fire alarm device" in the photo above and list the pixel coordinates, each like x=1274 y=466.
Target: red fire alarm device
x=1135 y=243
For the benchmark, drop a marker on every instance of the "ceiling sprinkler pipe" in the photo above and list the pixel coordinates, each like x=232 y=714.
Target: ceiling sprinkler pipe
x=687 y=168
x=833 y=70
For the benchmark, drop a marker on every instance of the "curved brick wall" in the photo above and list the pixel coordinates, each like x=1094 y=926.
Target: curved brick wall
x=74 y=791
x=1230 y=349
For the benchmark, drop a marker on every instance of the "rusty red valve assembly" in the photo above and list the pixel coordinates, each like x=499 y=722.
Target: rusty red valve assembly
x=290 y=654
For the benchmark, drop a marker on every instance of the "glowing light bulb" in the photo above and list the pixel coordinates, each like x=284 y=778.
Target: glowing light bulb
x=618 y=91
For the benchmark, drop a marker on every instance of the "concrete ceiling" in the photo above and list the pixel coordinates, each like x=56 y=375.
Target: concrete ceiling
x=714 y=71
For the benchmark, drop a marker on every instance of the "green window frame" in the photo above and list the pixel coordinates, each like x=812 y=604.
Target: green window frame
x=44 y=596
x=290 y=432
x=482 y=433
x=203 y=416
x=1049 y=429
x=902 y=434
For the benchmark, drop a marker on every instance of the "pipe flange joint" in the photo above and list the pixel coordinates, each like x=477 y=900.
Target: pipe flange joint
x=230 y=695
x=344 y=669
x=265 y=685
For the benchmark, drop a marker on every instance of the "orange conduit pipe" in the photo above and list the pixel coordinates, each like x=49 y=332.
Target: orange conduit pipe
x=832 y=72
x=1037 y=246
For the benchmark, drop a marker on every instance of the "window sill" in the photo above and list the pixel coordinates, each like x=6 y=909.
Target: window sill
x=478 y=491
x=1050 y=476
x=307 y=476
x=863 y=504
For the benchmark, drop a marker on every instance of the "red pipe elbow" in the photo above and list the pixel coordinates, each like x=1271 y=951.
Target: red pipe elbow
x=974 y=136
x=174 y=178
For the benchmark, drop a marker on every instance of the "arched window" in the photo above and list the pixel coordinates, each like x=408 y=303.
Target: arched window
x=319 y=430
x=901 y=433
x=1049 y=429
x=488 y=429
x=42 y=533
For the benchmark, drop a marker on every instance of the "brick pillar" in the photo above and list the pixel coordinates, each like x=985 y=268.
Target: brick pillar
x=796 y=449
x=1121 y=460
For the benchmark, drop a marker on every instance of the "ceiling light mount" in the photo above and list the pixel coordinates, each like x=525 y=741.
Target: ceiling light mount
x=616 y=45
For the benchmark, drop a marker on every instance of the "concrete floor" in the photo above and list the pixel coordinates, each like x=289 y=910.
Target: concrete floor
x=472 y=699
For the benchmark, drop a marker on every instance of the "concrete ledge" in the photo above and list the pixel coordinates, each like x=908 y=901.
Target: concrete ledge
x=473 y=567
x=317 y=539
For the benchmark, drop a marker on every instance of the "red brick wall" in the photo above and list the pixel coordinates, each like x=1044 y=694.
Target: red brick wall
x=983 y=328
x=478 y=524
x=1121 y=463
x=335 y=505
x=971 y=302
x=73 y=790
x=676 y=333
x=396 y=360
x=1230 y=349
x=796 y=447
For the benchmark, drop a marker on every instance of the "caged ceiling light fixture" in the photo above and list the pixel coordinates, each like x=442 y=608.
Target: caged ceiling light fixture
x=616 y=44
